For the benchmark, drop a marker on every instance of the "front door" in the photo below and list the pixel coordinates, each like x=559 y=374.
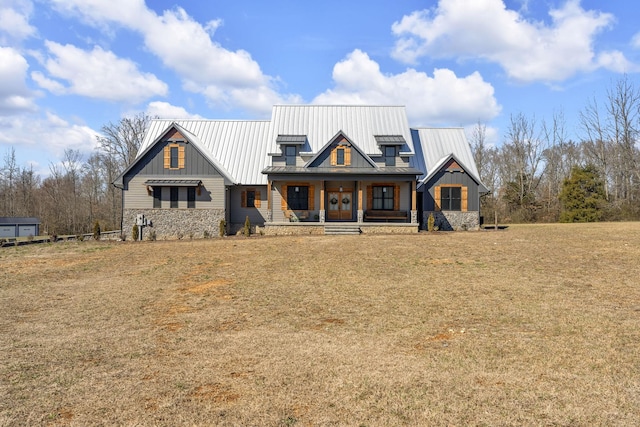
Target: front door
x=340 y=207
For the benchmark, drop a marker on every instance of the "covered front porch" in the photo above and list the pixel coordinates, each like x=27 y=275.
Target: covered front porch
x=373 y=204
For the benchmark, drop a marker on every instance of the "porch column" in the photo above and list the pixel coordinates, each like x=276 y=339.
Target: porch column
x=321 y=214
x=414 y=211
x=360 y=210
x=269 y=199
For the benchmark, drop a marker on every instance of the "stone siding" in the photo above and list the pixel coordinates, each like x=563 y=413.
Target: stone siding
x=175 y=223
x=454 y=221
x=389 y=229
x=293 y=229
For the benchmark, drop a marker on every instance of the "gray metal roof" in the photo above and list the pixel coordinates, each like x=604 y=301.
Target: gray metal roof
x=322 y=122
x=173 y=182
x=389 y=139
x=434 y=146
x=14 y=220
x=291 y=139
x=239 y=146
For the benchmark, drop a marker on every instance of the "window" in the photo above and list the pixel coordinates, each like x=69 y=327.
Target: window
x=390 y=156
x=251 y=199
x=383 y=197
x=340 y=156
x=450 y=198
x=157 y=197
x=290 y=154
x=298 y=197
x=174 y=197
x=191 y=197
x=174 y=158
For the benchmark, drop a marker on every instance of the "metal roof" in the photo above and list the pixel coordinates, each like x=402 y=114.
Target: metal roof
x=436 y=145
x=240 y=146
x=320 y=123
x=14 y=220
x=173 y=182
x=291 y=139
x=389 y=139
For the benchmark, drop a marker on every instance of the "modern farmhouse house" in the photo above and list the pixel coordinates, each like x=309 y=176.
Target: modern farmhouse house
x=311 y=169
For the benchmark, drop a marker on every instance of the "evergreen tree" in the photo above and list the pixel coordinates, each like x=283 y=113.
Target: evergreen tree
x=583 y=195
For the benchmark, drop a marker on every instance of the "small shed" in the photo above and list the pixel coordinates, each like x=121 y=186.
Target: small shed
x=19 y=227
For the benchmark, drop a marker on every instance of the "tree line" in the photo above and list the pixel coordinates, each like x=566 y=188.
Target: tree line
x=77 y=192
x=532 y=175
x=538 y=173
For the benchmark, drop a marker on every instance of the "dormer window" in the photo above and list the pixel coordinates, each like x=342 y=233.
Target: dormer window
x=390 y=155
x=290 y=155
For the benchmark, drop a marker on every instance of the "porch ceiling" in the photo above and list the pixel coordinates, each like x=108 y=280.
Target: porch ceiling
x=299 y=170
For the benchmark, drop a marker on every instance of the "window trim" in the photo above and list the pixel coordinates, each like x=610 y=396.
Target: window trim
x=464 y=197
x=302 y=202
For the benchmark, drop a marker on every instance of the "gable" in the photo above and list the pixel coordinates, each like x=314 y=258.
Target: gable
x=172 y=156
x=340 y=152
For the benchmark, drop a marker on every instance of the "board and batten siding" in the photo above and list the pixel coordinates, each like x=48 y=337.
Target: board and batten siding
x=238 y=214
x=195 y=164
x=212 y=193
x=453 y=178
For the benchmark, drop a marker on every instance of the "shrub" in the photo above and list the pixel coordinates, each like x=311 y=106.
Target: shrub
x=53 y=238
x=135 y=233
x=223 y=228
x=247 y=227
x=180 y=235
x=30 y=238
x=96 y=231
x=80 y=237
x=151 y=236
x=431 y=222
x=205 y=234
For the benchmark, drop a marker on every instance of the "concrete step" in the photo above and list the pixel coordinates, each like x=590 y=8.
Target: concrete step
x=341 y=229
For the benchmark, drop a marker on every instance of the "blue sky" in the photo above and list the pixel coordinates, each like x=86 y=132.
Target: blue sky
x=67 y=67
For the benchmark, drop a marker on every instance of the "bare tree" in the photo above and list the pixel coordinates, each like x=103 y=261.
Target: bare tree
x=122 y=140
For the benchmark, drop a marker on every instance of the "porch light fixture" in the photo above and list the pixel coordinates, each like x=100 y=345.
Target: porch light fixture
x=297 y=189
x=384 y=189
x=341 y=188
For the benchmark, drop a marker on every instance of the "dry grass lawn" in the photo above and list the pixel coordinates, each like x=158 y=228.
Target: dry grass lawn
x=534 y=325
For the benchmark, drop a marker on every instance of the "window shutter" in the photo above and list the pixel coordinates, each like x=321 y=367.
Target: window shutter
x=257 y=200
x=369 y=197
x=167 y=157
x=396 y=197
x=464 y=196
x=283 y=198
x=347 y=156
x=181 y=157
x=334 y=157
x=312 y=197
x=243 y=199
x=436 y=198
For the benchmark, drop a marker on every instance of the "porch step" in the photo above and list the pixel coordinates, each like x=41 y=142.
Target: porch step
x=341 y=229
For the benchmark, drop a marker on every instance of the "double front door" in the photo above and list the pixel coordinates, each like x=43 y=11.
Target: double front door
x=340 y=205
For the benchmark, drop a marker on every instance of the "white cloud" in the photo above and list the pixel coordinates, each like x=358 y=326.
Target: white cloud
x=184 y=45
x=14 y=21
x=49 y=134
x=96 y=74
x=443 y=99
x=14 y=95
x=635 y=41
x=164 y=110
x=487 y=30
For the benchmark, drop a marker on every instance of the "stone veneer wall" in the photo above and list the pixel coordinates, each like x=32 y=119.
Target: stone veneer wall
x=389 y=229
x=454 y=221
x=294 y=229
x=175 y=223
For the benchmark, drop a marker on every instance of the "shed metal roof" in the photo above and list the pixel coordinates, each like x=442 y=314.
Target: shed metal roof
x=173 y=182
x=322 y=122
x=18 y=220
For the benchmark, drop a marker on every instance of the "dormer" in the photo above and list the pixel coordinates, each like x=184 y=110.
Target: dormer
x=290 y=146
x=390 y=146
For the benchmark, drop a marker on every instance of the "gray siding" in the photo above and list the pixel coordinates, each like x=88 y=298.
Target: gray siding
x=324 y=159
x=153 y=163
x=445 y=177
x=238 y=214
x=212 y=194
